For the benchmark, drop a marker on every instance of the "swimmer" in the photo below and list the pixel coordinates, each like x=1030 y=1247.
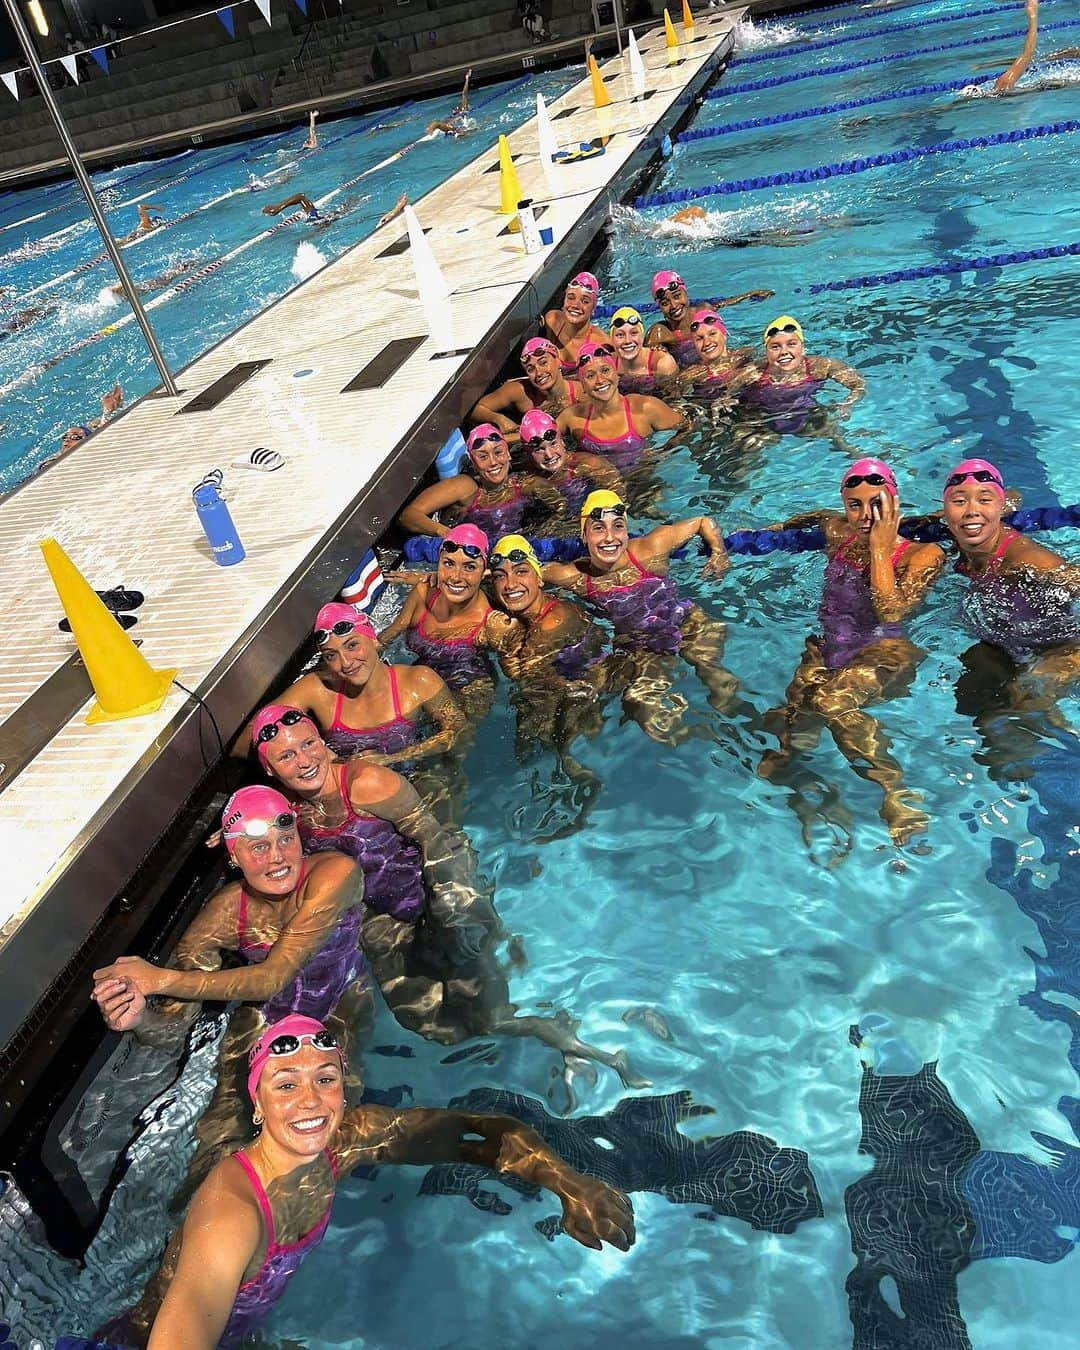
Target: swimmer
x=363 y=706
x=311 y=211
x=255 y=184
x=573 y=473
x=873 y=581
x=262 y=1210
x=718 y=375
x=74 y=436
x=395 y=211
x=613 y=425
x=162 y=278
x=497 y=504
x=147 y=222
x=788 y=381
x=449 y=625
x=295 y=925
x=653 y=623
x=1021 y=605
x=15 y=320
x=545 y=386
x=642 y=370
x=312 y=142
x=571 y=326
x=673 y=331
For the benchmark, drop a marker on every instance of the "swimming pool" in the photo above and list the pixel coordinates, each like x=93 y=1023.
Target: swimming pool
x=688 y=890
x=214 y=228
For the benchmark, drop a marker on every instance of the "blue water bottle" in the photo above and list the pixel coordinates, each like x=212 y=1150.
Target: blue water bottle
x=217 y=524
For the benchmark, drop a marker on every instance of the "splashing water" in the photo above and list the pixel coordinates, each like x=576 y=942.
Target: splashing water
x=307 y=262
x=750 y=38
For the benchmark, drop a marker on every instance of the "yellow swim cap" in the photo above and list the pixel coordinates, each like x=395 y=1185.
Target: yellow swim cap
x=784 y=324
x=516 y=548
x=599 y=501
x=627 y=314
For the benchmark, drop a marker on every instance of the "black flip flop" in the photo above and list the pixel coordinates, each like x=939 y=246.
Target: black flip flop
x=119 y=600
x=125 y=621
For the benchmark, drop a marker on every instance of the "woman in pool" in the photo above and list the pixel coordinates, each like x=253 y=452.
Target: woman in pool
x=500 y=502
x=873 y=581
x=364 y=706
x=786 y=385
x=642 y=370
x=545 y=386
x=449 y=625
x=718 y=375
x=613 y=425
x=574 y=474
x=653 y=623
x=673 y=331
x=572 y=326
x=261 y=1211
x=1021 y=605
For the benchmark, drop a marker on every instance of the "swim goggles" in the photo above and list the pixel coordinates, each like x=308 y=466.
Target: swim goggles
x=665 y=292
x=514 y=555
x=537 y=442
x=601 y=351
x=288 y=1044
x=259 y=829
x=713 y=320
x=287 y=719
x=599 y=512
x=470 y=550
x=980 y=476
x=772 y=332
x=873 y=479
x=323 y=636
x=626 y=323
x=481 y=440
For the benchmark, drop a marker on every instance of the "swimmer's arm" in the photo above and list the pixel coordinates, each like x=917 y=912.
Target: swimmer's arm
x=602 y=472
x=825 y=368
x=498 y=406
x=744 y=295
x=549 y=497
x=593 y=1212
x=659 y=544
x=805 y=520
x=660 y=335
x=665 y=367
x=1008 y=78
x=221 y=1234
x=565 y=575
x=501 y=633
x=418 y=516
x=410 y=613
x=895 y=597
x=661 y=416
x=444 y=710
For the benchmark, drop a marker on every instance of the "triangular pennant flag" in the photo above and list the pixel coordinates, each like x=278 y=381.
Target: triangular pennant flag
x=264 y=10
x=637 y=67
x=12 y=81
x=98 y=53
x=225 y=15
x=302 y=7
x=69 y=64
x=430 y=281
x=548 y=145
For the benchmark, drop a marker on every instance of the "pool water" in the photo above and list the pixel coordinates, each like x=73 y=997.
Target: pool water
x=48 y=243
x=685 y=917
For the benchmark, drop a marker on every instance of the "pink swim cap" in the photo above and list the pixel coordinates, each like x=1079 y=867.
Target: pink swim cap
x=585 y=281
x=296 y=1025
x=271 y=715
x=339 y=612
x=662 y=280
x=259 y=806
x=591 y=349
x=979 y=469
x=538 y=344
x=863 y=468
x=484 y=432
x=536 y=422
x=710 y=316
x=472 y=535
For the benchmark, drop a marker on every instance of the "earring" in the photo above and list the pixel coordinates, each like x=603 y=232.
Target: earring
x=257 y=1121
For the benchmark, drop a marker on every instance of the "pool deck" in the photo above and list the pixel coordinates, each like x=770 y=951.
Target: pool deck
x=78 y=818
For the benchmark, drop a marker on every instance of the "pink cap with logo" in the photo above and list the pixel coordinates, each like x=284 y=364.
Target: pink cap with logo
x=663 y=280
x=294 y=1024
x=536 y=422
x=259 y=805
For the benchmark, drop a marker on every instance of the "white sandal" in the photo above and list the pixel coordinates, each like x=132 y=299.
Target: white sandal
x=260 y=458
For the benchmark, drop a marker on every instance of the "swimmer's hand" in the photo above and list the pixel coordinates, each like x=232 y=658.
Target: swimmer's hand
x=885 y=528
x=144 y=978
x=757 y=295
x=111 y=401
x=121 y=1004
x=718 y=564
x=595 y=1213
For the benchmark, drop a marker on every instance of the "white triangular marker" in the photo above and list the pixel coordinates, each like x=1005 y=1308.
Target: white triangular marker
x=637 y=67
x=11 y=80
x=69 y=64
x=549 y=146
x=430 y=281
x=264 y=10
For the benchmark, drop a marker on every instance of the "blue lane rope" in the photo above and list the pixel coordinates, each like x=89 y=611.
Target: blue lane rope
x=758 y=543
x=850 y=166
x=822 y=110
x=823 y=44
x=944 y=268
x=748 y=86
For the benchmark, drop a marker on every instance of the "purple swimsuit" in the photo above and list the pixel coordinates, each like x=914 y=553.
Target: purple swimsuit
x=849 y=622
x=685 y=352
x=495 y=521
x=647 y=615
x=257 y=1296
x=623 y=451
x=459 y=661
x=787 y=406
x=316 y=988
x=393 y=883
x=641 y=383
x=1023 y=615
x=386 y=739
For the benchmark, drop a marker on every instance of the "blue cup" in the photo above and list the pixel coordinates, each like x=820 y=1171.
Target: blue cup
x=547 y=235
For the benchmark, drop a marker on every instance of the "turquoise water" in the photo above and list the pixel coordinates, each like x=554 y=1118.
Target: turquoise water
x=39 y=400
x=688 y=889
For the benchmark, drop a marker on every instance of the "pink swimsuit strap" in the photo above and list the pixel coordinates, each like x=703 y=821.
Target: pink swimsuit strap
x=1007 y=537
x=643 y=572
x=273 y=1247
x=610 y=440
x=241 y=922
x=468 y=640
x=338 y=725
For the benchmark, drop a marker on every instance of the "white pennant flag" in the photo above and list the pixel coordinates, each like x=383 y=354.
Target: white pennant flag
x=430 y=281
x=70 y=65
x=264 y=10
x=637 y=67
x=549 y=147
x=11 y=80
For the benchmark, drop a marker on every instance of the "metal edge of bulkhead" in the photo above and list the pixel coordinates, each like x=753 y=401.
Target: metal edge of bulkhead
x=95 y=872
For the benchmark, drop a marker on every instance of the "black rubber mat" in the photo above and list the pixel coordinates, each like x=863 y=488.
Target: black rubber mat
x=494 y=168
x=566 y=112
x=399 y=246
x=384 y=366
x=220 y=390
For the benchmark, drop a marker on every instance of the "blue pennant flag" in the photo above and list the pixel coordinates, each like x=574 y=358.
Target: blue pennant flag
x=226 y=17
x=98 y=53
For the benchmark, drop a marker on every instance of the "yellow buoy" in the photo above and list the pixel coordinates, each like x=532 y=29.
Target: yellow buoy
x=509 y=187
x=601 y=97
x=124 y=681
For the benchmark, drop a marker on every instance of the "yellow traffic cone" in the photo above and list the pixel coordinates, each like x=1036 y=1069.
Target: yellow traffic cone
x=601 y=97
x=670 y=40
x=687 y=19
x=124 y=681
x=509 y=187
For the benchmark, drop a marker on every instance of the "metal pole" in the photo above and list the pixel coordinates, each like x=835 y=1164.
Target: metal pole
x=616 y=8
x=92 y=202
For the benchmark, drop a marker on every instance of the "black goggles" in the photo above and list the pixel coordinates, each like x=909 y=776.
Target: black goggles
x=712 y=320
x=873 y=479
x=482 y=440
x=600 y=352
x=288 y=1044
x=287 y=719
x=548 y=437
x=599 y=512
x=980 y=476
x=625 y=323
x=515 y=555
x=323 y=635
x=664 y=292
x=787 y=328
x=470 y=550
